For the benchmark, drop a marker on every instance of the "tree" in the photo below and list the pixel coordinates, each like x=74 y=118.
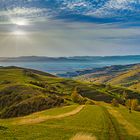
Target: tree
x=115 y=103
x=132 y=104
x=135 y=104
x=77 y=98
x=124 y=97
x=75 y=95
x=129 y=104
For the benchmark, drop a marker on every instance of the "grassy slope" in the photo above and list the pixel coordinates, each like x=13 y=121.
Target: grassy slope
x=94 y=120
x=129 y=78
x=16 y=90
x=23 y=91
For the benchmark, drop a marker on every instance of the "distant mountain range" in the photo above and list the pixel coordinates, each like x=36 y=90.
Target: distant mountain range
x=96 y=59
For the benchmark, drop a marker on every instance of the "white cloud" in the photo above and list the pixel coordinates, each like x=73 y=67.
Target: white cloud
x=17 y=11
x=115 y=8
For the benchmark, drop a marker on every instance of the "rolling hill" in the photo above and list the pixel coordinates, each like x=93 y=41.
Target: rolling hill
x=24 y=91
x=34 y=105
x=121 y=75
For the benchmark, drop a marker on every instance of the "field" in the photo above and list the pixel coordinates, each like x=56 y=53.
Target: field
x=101 y=121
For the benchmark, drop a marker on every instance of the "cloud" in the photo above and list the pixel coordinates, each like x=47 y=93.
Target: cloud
x=23 y=12
x=75 y=10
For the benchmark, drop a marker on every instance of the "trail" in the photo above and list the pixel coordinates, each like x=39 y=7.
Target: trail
x=45 y=118
x=113 y=132
x=132 y=130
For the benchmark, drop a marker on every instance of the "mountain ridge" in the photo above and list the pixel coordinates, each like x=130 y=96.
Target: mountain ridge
x=69 y=58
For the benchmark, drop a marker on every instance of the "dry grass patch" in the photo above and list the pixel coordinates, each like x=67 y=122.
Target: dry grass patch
x=43 y=118
x=82 y=136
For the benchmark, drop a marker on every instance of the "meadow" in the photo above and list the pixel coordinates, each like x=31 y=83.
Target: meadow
x=101 y=121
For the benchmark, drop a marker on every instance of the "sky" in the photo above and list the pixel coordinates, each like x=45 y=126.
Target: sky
x=69 y=27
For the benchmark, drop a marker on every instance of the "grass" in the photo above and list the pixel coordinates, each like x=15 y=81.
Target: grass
x=49 y=112
x=125 y=76
x=133 y=118
x=100 y=121
x=86 y=121
x=82 y=136
x=94 y=121
x=126 y=122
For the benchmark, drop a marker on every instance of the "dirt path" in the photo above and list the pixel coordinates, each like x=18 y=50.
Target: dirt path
x=132 y=130
x=44 y=118
x=112 y=130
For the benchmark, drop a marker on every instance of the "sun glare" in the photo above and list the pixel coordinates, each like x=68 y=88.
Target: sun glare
x=18 y=33
x=20 y=22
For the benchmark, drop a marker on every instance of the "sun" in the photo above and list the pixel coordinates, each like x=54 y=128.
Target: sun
x=20 y=22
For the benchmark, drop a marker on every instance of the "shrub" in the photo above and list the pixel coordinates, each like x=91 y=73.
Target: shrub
x=31 y=105
x=115 y=103
x=5 y=82
x=39 y=84
x=132 y=104
x=89 y=102
x=75 y=96
x=137 y=108
x=135 y=104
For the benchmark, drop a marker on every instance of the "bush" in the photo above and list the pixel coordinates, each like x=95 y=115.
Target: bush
x=5 y=82
x=89 y=102
x=115 y=103
x=137 y=108
x=39 y=84
x=31 y=105
x=135 y=104
x=75 y=96
x=132 y=104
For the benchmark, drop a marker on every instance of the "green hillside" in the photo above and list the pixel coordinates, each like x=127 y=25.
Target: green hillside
x=100 y=121
x=24 y=91
x=128 y=77
x=40 y=106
